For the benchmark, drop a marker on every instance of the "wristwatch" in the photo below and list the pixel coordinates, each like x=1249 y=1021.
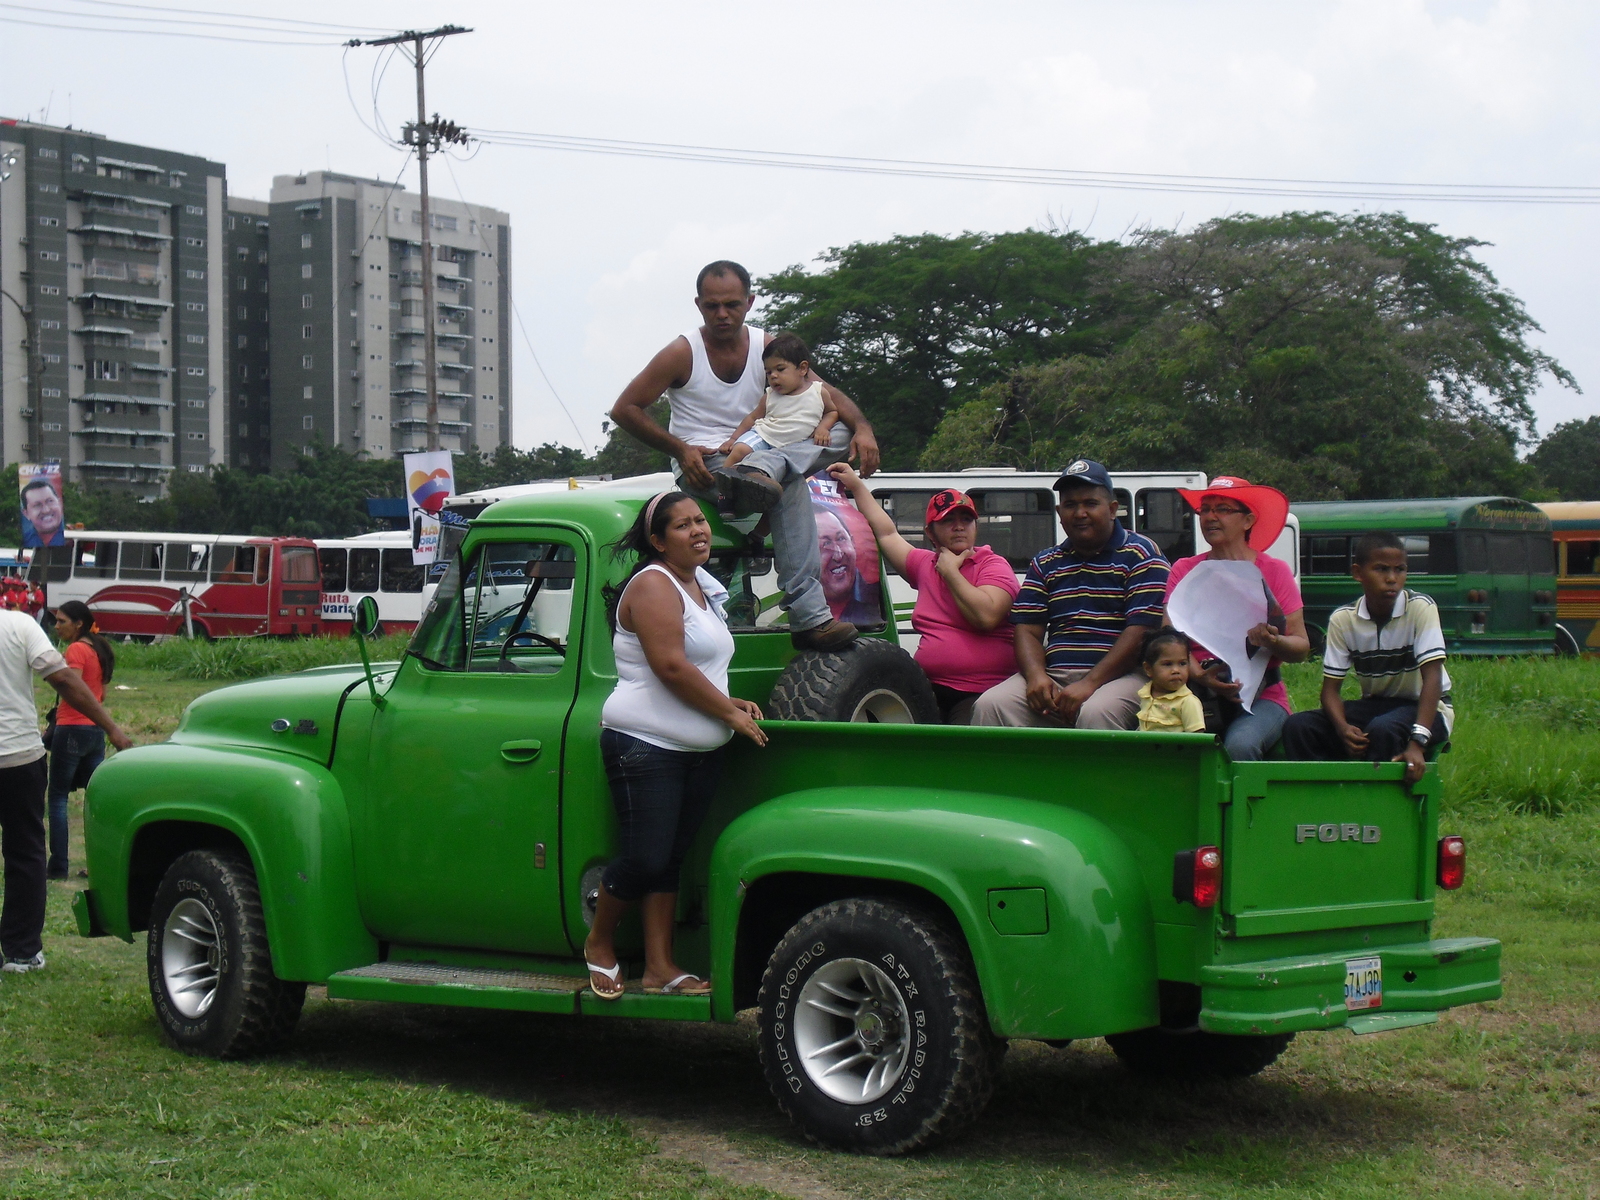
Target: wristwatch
x=1421 y=735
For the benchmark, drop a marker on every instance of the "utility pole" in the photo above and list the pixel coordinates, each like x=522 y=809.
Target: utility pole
x=425 y=135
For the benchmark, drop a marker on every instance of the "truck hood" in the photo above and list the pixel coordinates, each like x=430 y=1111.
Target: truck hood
x=292 y=714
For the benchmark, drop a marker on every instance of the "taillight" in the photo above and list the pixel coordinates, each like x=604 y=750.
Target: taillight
x=1197 y=876
x=1452 y=862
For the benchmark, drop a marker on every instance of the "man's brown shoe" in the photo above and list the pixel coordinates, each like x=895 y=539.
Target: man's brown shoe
x=835 y=635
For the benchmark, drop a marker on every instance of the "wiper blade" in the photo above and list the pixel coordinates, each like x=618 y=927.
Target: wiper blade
x=425 y=660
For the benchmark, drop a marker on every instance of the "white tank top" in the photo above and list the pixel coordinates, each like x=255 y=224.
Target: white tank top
x=643 y=706
x=705 y=410
x=793 y=418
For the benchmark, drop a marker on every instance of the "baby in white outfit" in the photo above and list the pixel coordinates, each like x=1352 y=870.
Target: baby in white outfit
x=791 y=411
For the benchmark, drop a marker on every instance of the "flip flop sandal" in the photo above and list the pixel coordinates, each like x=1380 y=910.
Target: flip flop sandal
x=678 y=987
x=614 y=974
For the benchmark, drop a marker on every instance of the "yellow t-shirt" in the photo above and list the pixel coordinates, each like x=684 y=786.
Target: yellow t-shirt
x=1175 y=712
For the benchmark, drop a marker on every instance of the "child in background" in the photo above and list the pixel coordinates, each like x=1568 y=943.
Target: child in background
x=792 y=411
x=1166 y=705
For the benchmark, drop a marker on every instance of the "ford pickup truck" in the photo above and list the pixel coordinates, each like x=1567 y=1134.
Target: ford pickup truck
x=896 y=898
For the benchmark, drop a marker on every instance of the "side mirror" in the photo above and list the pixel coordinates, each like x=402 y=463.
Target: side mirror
x=367 y=623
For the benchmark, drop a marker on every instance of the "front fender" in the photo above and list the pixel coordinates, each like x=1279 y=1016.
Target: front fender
x=287 y=812
x=1092 y=972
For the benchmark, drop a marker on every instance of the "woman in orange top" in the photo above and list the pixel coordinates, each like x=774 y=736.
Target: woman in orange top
x=78 y=745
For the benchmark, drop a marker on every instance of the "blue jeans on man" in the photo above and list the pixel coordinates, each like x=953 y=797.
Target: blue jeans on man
x=73 y=749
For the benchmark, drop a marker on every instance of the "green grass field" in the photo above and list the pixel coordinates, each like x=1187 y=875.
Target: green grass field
x=370 y=1100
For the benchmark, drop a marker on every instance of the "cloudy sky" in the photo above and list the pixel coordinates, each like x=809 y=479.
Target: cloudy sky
x=606 y=248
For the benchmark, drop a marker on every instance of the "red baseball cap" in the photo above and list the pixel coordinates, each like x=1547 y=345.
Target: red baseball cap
x=948 y=501
x=1270 y=506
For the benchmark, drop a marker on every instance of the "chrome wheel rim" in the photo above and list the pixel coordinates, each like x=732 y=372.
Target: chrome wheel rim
x=851 y=1031
x=882 y=706
x=191 y=957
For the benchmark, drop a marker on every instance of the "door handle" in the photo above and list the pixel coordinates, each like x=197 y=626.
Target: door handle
x=521 y=752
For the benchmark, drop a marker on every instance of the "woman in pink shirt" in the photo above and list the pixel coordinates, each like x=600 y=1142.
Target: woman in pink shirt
x=1239 y=520
x=964 y=594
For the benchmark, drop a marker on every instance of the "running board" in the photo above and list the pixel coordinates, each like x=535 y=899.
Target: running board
x=519 y=991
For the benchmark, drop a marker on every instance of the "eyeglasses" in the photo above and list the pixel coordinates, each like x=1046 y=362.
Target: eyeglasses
x=1207 y=510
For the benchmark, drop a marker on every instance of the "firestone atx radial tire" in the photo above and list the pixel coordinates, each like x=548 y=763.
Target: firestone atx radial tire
x=1168 y=1054
x=210 y=970
x=873 y=1033
x=869 y=680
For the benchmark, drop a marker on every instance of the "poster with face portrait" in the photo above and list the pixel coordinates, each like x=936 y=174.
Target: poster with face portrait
x=44 y=517
x=851 y=577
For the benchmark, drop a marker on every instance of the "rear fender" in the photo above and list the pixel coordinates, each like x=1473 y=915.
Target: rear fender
x=146 y=806
x=1092 y=971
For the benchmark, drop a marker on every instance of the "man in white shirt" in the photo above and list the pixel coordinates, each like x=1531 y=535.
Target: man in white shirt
x=24 y=651
x=713 y=376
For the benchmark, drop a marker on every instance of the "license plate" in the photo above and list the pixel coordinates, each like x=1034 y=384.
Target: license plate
x=1363 y=983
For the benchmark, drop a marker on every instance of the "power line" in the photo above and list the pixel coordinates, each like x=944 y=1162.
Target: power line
x=248 y=28
x=201 y=12
x=1057 y=176
x=206 y=37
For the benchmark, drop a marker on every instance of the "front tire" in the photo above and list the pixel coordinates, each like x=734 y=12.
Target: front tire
x=1195 y=1054
x=210 y=969
x=873 y=1033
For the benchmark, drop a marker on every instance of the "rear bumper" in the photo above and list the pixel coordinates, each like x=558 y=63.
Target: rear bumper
x=1287 y=995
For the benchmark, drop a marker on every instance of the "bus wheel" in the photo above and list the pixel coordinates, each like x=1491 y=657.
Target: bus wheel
x=1566 y=645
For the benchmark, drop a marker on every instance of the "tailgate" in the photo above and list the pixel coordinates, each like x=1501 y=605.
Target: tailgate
x=1320 y=845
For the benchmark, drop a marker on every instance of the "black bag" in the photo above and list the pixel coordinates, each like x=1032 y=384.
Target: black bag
x=49 y=734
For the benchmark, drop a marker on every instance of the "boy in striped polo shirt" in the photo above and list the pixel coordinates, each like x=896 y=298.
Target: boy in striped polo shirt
x=1392 y=640
x=1081 y=617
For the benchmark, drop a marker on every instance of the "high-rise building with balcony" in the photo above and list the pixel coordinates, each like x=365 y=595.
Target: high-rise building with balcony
x=112 y=326
x=348 y=326
x=249 y=432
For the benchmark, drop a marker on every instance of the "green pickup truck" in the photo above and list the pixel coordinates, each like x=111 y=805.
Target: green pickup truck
x=896 y=898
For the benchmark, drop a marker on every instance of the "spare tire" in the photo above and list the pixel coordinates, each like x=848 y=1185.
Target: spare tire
x=869 y=680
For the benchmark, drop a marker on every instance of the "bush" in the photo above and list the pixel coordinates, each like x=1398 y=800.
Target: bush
x=251 y=658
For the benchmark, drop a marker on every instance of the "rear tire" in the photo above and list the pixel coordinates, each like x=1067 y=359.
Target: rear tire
x=869 y=680
x=1195 y=1054
x=874 y=1037
x=210 y=969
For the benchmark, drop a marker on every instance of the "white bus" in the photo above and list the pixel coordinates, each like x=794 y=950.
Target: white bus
x=377 y=565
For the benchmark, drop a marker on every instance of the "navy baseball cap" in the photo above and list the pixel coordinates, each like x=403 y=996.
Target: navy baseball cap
x=1083 y=470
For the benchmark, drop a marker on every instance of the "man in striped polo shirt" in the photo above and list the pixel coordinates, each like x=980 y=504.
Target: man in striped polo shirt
x=1081 y=617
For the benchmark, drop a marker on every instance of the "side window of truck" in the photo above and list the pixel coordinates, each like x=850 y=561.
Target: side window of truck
x=508 y=607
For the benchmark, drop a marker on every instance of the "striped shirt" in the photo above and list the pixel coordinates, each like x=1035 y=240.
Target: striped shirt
x=1086 y=601
x=1387 y=657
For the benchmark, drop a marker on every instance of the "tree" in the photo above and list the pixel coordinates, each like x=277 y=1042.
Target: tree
x=915 y=325
x=624 y=455
x=1362 y=355
x=1569 y=460
x=508 y=465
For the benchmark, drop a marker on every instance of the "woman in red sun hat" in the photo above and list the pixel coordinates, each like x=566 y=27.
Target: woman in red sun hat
x=1239 y=520
x=964 y=595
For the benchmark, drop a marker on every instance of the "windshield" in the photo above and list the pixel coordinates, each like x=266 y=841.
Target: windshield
x=508 y=609
x=300 y=565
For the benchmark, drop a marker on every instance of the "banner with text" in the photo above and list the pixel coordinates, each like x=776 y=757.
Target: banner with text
x=44 y=517
x=430 y=481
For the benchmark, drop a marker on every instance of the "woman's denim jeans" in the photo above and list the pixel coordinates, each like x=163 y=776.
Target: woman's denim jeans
x=661 y=797
x=71 y=746
x=1253 y=734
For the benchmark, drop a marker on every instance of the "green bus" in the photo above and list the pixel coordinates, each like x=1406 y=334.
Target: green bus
x=1487 y=561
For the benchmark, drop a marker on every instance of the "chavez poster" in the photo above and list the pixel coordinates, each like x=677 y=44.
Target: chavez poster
x=430 y=481
x=851 y=579
x=43 y=514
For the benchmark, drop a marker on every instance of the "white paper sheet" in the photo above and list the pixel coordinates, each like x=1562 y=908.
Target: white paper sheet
x=1216 y=604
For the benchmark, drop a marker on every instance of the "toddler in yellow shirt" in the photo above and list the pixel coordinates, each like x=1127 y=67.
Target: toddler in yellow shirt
x=1166 y=705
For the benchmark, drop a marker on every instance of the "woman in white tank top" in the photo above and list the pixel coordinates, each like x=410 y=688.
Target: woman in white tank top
x=662 y=733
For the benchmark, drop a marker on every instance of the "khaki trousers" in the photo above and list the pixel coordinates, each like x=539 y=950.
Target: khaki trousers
x=1114 y=705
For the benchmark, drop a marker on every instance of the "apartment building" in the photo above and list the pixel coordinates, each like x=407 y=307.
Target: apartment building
x=112 y=258
x=249 y=409
x=347 y=320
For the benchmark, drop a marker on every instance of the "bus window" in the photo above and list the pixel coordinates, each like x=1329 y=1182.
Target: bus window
x=300 y=565
x=334 y=564
x=1326 y=556
x=57 y=563
x=1124 y=507
x=1508 y=554
x=910 y=511
x=1441 y=554
x=363 y=570
x=1475 y=553
x=1014 y=522
x=233 y=564
x=400 y=574
x=141 y=560
x=1166 y=520
x=186 y=560
x=1541 y=554
x=1582 y=558
x=96 y=560
x=1418 y=558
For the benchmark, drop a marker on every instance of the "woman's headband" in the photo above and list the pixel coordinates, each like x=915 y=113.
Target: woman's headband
x=650 y=509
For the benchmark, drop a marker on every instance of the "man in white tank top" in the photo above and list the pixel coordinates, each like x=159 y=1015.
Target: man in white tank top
x=712 y=376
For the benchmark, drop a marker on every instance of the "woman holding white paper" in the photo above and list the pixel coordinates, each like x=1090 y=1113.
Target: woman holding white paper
x=1239 y=520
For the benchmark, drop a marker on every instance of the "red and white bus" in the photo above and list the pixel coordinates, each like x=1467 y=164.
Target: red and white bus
x=377 y=565
x=147 y=585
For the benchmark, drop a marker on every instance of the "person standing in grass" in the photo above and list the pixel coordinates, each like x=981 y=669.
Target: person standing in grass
x=78 y=745
x=25 y=650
